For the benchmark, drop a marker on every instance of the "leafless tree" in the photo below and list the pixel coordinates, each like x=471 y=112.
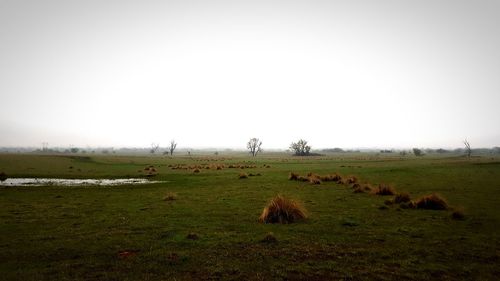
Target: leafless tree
x=254 y=146
x=172 y=147
x=300 y=148
x=468 y=150
x=154 y=147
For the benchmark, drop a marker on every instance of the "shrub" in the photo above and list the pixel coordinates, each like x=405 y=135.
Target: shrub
x=283 y=210
x=196 y=170
x=402 y=198
x=293 y=176
x=243 y=176
x=384 y=190
x=432 y=202
x=170 y=196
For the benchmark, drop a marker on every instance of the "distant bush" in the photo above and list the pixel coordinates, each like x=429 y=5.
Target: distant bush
x=418 y=152
x=300 y=148
x=243 y=176
x=283 y=210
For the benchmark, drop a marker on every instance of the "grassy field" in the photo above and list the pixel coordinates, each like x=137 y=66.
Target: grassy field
x=131 y=233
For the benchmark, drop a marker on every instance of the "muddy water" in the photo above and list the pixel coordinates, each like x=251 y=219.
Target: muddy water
x=72 y=182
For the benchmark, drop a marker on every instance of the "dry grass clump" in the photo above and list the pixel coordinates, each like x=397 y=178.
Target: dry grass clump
x=243 y=176
x=383 y=189
x=269 y=238
x=359 y=189
x=402 y=197
x=330 y=177
x=196 y=171
x=351 y=180
x=314 y=180
x=283 y=210
x=192 y=236
x=431 y=202
x=302 y=178
x=458 y=214
x=3 y=176
x=293 y=176
x=170 y=196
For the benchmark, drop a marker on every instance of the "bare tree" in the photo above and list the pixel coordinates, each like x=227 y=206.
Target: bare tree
x=468 y=150
x=300 y=148
x=154 y=147
x=172 y=147
x=254 y=146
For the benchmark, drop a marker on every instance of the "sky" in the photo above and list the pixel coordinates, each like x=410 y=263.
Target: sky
x=351 y=74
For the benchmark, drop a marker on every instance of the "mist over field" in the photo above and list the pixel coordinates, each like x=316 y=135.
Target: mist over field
x=357 y=74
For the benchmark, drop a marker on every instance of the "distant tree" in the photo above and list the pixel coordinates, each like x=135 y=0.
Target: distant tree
x=418 y=152
x=165 y=152
x=216 y=153
x=300 y=148
x=440 y=150
x=496 y=149
x=74 y=150
x=468 y=150
x=402 y=153
x=172 y=147
x=253 y=146
x=154 y=147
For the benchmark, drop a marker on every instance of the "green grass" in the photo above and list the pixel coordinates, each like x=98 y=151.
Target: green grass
x=77 y=233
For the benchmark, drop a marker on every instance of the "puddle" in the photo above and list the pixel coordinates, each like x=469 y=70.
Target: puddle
x=72 y=182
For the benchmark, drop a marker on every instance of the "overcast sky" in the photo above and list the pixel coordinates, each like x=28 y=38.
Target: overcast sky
x=215 y=73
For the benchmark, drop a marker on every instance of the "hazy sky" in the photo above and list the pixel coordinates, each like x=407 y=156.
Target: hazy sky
x=215 y=73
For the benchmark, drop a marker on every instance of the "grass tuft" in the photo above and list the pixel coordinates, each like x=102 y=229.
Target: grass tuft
x=402 y=197
x=458 y=214
x=283 y=210
x=431 y=202
x=383 y=189
x=170 y=196
x=269 y=238
x=293 y=176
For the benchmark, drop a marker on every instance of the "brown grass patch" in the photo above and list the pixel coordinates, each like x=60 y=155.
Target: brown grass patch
x=331 y=177
x=243 y=176
x=402 y=197
x=458 y=214
x=302 y=178
x=283 y=210
x=314 y=180
x=293 y=176
x=196 y=171
x=170 y=196
x=431 y=202
x=192 y=236
x=383 y=189
x=351 y=180
x=359 y=189
x=269 y=238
